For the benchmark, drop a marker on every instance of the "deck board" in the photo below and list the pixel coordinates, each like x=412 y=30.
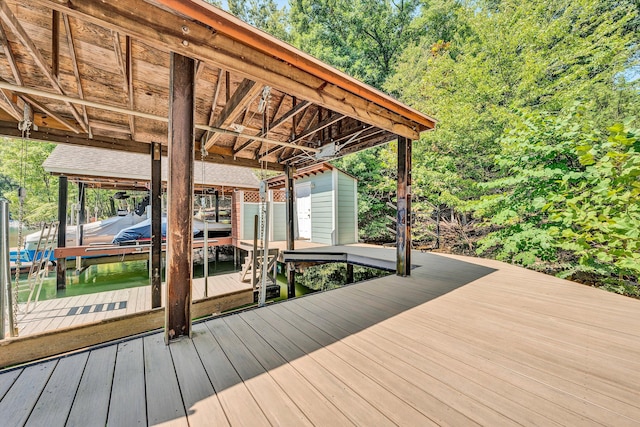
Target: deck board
x=54 y=404
x=316 y=407
x=91 y=404
x=273 y=401
x=18 y=402
x=460 y=342
x=127 y=405
x=54 y=314
x=164 y=403
x=196 y=371
x=292 y=347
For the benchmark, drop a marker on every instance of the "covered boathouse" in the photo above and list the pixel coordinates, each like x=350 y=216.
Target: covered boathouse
x=447 y=341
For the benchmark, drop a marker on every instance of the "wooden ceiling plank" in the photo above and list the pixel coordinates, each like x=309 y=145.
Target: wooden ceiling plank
x=76 y=71
x=18 y=78
x=9 y=53
x=125 y=79
x=12 y=22
x=163 y=30
x=239 y=101
x=279 y=122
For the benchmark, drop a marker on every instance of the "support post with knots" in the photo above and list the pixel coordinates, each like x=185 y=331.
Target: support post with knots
x=403 y=235
x=180 y=197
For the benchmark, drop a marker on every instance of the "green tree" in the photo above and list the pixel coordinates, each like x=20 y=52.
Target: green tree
x=21 y=166
x=363 y=38
x=568 y=200
x=477 y=63
x=262 y=14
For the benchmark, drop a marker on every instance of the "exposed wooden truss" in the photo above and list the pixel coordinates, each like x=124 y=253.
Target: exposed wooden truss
x=117 y=54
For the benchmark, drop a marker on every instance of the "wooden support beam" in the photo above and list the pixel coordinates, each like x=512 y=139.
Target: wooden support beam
x=129 y=78
x=276 y=124
x=76 y=71
x=12 y=22
x=7 y=104
x=306 y=134
x=214 y=104
x=241 y=99
x=55 y=43
x=403 y=235
x=61 y=266
x=163 y=29
x=155 y=264
x=290 y=232
x=9 y=53
x=349 y=273
x=180 y=197
x=124 y=70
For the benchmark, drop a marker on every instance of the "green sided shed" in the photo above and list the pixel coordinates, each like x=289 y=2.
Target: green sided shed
x=326 y=205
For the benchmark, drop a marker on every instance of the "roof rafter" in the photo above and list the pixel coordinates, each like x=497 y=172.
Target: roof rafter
x=12 y=22
x=239 y=101
x=279 y=122
x=125 y=68
x=18 y=78
x=214 y=104
x=165 y=31
x=76 y=72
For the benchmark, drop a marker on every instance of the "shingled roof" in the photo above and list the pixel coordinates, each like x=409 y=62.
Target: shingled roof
x=111 y=169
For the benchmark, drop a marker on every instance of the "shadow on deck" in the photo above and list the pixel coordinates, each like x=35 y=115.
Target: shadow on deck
x=457 y=343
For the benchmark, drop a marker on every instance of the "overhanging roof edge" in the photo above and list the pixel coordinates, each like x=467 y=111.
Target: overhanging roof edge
x=235 y=28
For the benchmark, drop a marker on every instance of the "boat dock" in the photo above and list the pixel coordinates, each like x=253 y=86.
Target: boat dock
x=462 y=341
x=59 y=313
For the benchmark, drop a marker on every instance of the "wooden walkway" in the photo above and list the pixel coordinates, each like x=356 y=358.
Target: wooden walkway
x=71 y=311
x=461 y=342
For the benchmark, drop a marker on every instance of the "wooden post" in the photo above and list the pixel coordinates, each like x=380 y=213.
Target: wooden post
x=217 y=248
x=61 y=263
x=349 y=273
x=403 y=235
x=180 y=194
x=82 y=214
x=291 y=274
x=155 y=265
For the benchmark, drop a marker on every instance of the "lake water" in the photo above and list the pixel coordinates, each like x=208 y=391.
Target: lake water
x=122 y=275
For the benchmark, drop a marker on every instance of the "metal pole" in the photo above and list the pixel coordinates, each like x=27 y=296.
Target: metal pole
x=5 y=267
x=206 y=258
x=265 y=259
x=254 y=254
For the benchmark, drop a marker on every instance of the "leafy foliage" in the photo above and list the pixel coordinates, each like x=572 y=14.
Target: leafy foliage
x=22 y=166
x=361 y=37
x=568 y=198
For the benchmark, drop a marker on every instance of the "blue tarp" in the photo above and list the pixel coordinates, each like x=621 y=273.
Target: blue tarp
x=142 y=230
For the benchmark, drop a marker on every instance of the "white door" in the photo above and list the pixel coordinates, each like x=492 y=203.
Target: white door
x=303 y=207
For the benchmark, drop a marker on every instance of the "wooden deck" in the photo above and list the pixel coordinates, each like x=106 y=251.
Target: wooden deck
x=71 y=311
x=461 y=342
